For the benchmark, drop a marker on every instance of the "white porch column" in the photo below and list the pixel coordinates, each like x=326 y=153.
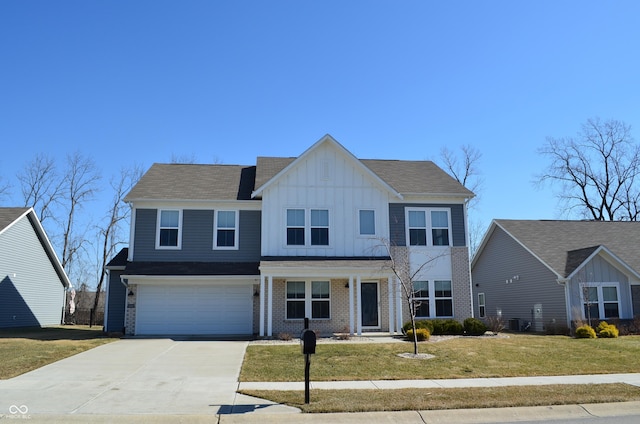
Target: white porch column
x=359 y=302
x=262 y=300
x=351 y=311
x=392 y=295
x=399 y=300
x=270 y=308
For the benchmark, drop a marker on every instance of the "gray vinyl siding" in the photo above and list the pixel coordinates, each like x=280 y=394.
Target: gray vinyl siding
x=397 y=230
x=116 y=298
x=31 y=291
x=503 y=258
x=598 y=270
x=635 y=296
x=197 y=238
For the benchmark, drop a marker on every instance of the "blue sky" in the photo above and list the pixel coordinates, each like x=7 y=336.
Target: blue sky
x=139 y=81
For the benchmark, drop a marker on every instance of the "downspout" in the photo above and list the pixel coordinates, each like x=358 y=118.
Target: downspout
x=467 y=242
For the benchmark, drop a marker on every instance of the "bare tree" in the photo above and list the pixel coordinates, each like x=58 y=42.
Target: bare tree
x=80 y=185
x=5 y=187
x=597 y=170
x=41 y=186
x=407 y=273
x=118 y=212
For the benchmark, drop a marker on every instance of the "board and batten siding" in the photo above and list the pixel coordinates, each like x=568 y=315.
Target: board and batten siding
x=535 y=285
x=598 y=270
x=197 y=238
x=397 y=229
x=31 y=292
x=326 y=179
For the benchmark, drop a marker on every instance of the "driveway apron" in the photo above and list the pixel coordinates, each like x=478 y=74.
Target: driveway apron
x=133 y=376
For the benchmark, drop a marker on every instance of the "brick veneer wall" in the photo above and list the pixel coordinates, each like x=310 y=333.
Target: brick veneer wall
x=130 y=313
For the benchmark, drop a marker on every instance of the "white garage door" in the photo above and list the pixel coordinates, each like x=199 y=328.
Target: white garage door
x=220 y=309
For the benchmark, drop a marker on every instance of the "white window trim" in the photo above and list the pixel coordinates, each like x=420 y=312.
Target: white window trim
x=375 y=223
x=429 y=226
x=158 y=228
x=601 y=301
x=236 y=236
x=308 y=299
x=432 y=299
x=307 y=229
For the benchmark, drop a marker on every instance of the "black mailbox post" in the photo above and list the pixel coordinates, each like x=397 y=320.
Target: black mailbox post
x=308 y=345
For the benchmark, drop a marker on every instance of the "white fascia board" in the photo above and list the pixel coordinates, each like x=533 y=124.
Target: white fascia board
x=327 y=139
x=197 y=204
x=611 y=258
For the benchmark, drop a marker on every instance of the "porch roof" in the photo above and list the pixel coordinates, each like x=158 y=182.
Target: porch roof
x=326 y=266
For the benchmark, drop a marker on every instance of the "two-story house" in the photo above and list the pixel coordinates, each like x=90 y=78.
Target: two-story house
x=228 y=249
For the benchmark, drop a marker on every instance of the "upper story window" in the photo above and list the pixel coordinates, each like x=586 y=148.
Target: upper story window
x=169 y=231
x=225 y=230
x=307 y=227
x=428 y=227
x=367 y=222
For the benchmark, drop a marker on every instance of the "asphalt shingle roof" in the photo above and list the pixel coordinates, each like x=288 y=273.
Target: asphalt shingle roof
x=564 y=245
x=8 y=215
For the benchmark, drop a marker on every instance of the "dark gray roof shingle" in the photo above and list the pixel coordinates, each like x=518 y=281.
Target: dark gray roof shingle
x=564 y=245
x=9 y=215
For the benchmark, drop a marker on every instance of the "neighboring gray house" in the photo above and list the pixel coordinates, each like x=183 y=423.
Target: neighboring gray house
x=550 y=273
x=32 y=281
x=230 y=249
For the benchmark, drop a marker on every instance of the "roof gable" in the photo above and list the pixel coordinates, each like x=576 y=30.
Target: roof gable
x=565 y=246
x=266 y=178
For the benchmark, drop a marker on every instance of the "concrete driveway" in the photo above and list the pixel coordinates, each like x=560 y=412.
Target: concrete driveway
x=137 y=377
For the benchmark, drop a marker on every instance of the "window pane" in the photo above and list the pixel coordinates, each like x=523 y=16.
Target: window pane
x=319 y=218
x=421 y=289
x=319 y=236
x=482 y=311
x=481 y=298
x=226 y=238
x=295 y=236
x=443 y=288
x=611 y=310
x=226 y=219
x=591 y=295
x=439 y=219
x=609 y=294
x=295 y=289
x=417 y=219
x=320 y=289
x=295 y=217
x=169 y=218
x=295 y=309
x=422 y=309
x=440 y=237
x=417 y=237
x=320 y=309
x=168 y=237
x=444 y=308
x=591 y=311
x=367 y=223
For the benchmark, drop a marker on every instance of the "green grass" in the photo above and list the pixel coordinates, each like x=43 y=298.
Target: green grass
x=517 y=355
x=26 y=349
x=429 y=399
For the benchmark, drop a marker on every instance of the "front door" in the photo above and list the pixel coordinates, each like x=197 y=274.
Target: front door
x=369 y=299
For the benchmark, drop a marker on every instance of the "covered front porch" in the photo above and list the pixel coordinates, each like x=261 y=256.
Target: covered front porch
x=338 y=295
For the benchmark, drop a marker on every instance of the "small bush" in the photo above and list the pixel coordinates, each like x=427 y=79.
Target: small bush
x=422 y=323
x=585 y=332
x=474 y=327
x=607 y=331
x=284 y=336
x=495 y=323
x=422 y=334
x=447 y=327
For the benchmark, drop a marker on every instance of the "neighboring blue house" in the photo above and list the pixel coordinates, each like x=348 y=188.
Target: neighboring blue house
x=32 y=280
x=552 y=273
x=231 y=249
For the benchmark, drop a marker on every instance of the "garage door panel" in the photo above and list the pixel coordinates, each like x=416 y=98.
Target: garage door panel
x=180 y=309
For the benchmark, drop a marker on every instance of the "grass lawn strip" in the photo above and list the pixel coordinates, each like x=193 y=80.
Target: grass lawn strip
x=326 y=401
x=464 y=357
x=23 y=350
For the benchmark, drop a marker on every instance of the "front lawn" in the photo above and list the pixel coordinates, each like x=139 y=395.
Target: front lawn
x=464 y=357
x=23 y=350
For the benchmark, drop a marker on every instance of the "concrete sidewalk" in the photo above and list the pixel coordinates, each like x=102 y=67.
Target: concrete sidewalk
x=633 y=379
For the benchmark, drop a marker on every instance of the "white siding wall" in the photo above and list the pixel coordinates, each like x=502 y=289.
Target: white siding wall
x=326 y=179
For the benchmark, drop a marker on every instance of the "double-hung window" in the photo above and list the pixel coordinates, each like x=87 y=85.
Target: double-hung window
x=168 y=235
x=308 y=299
x=433 y=299
x=367 y=222
x=600 y=301
x=428 y=227
x=307 y=227
x=482 y=310
x=225 y=230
